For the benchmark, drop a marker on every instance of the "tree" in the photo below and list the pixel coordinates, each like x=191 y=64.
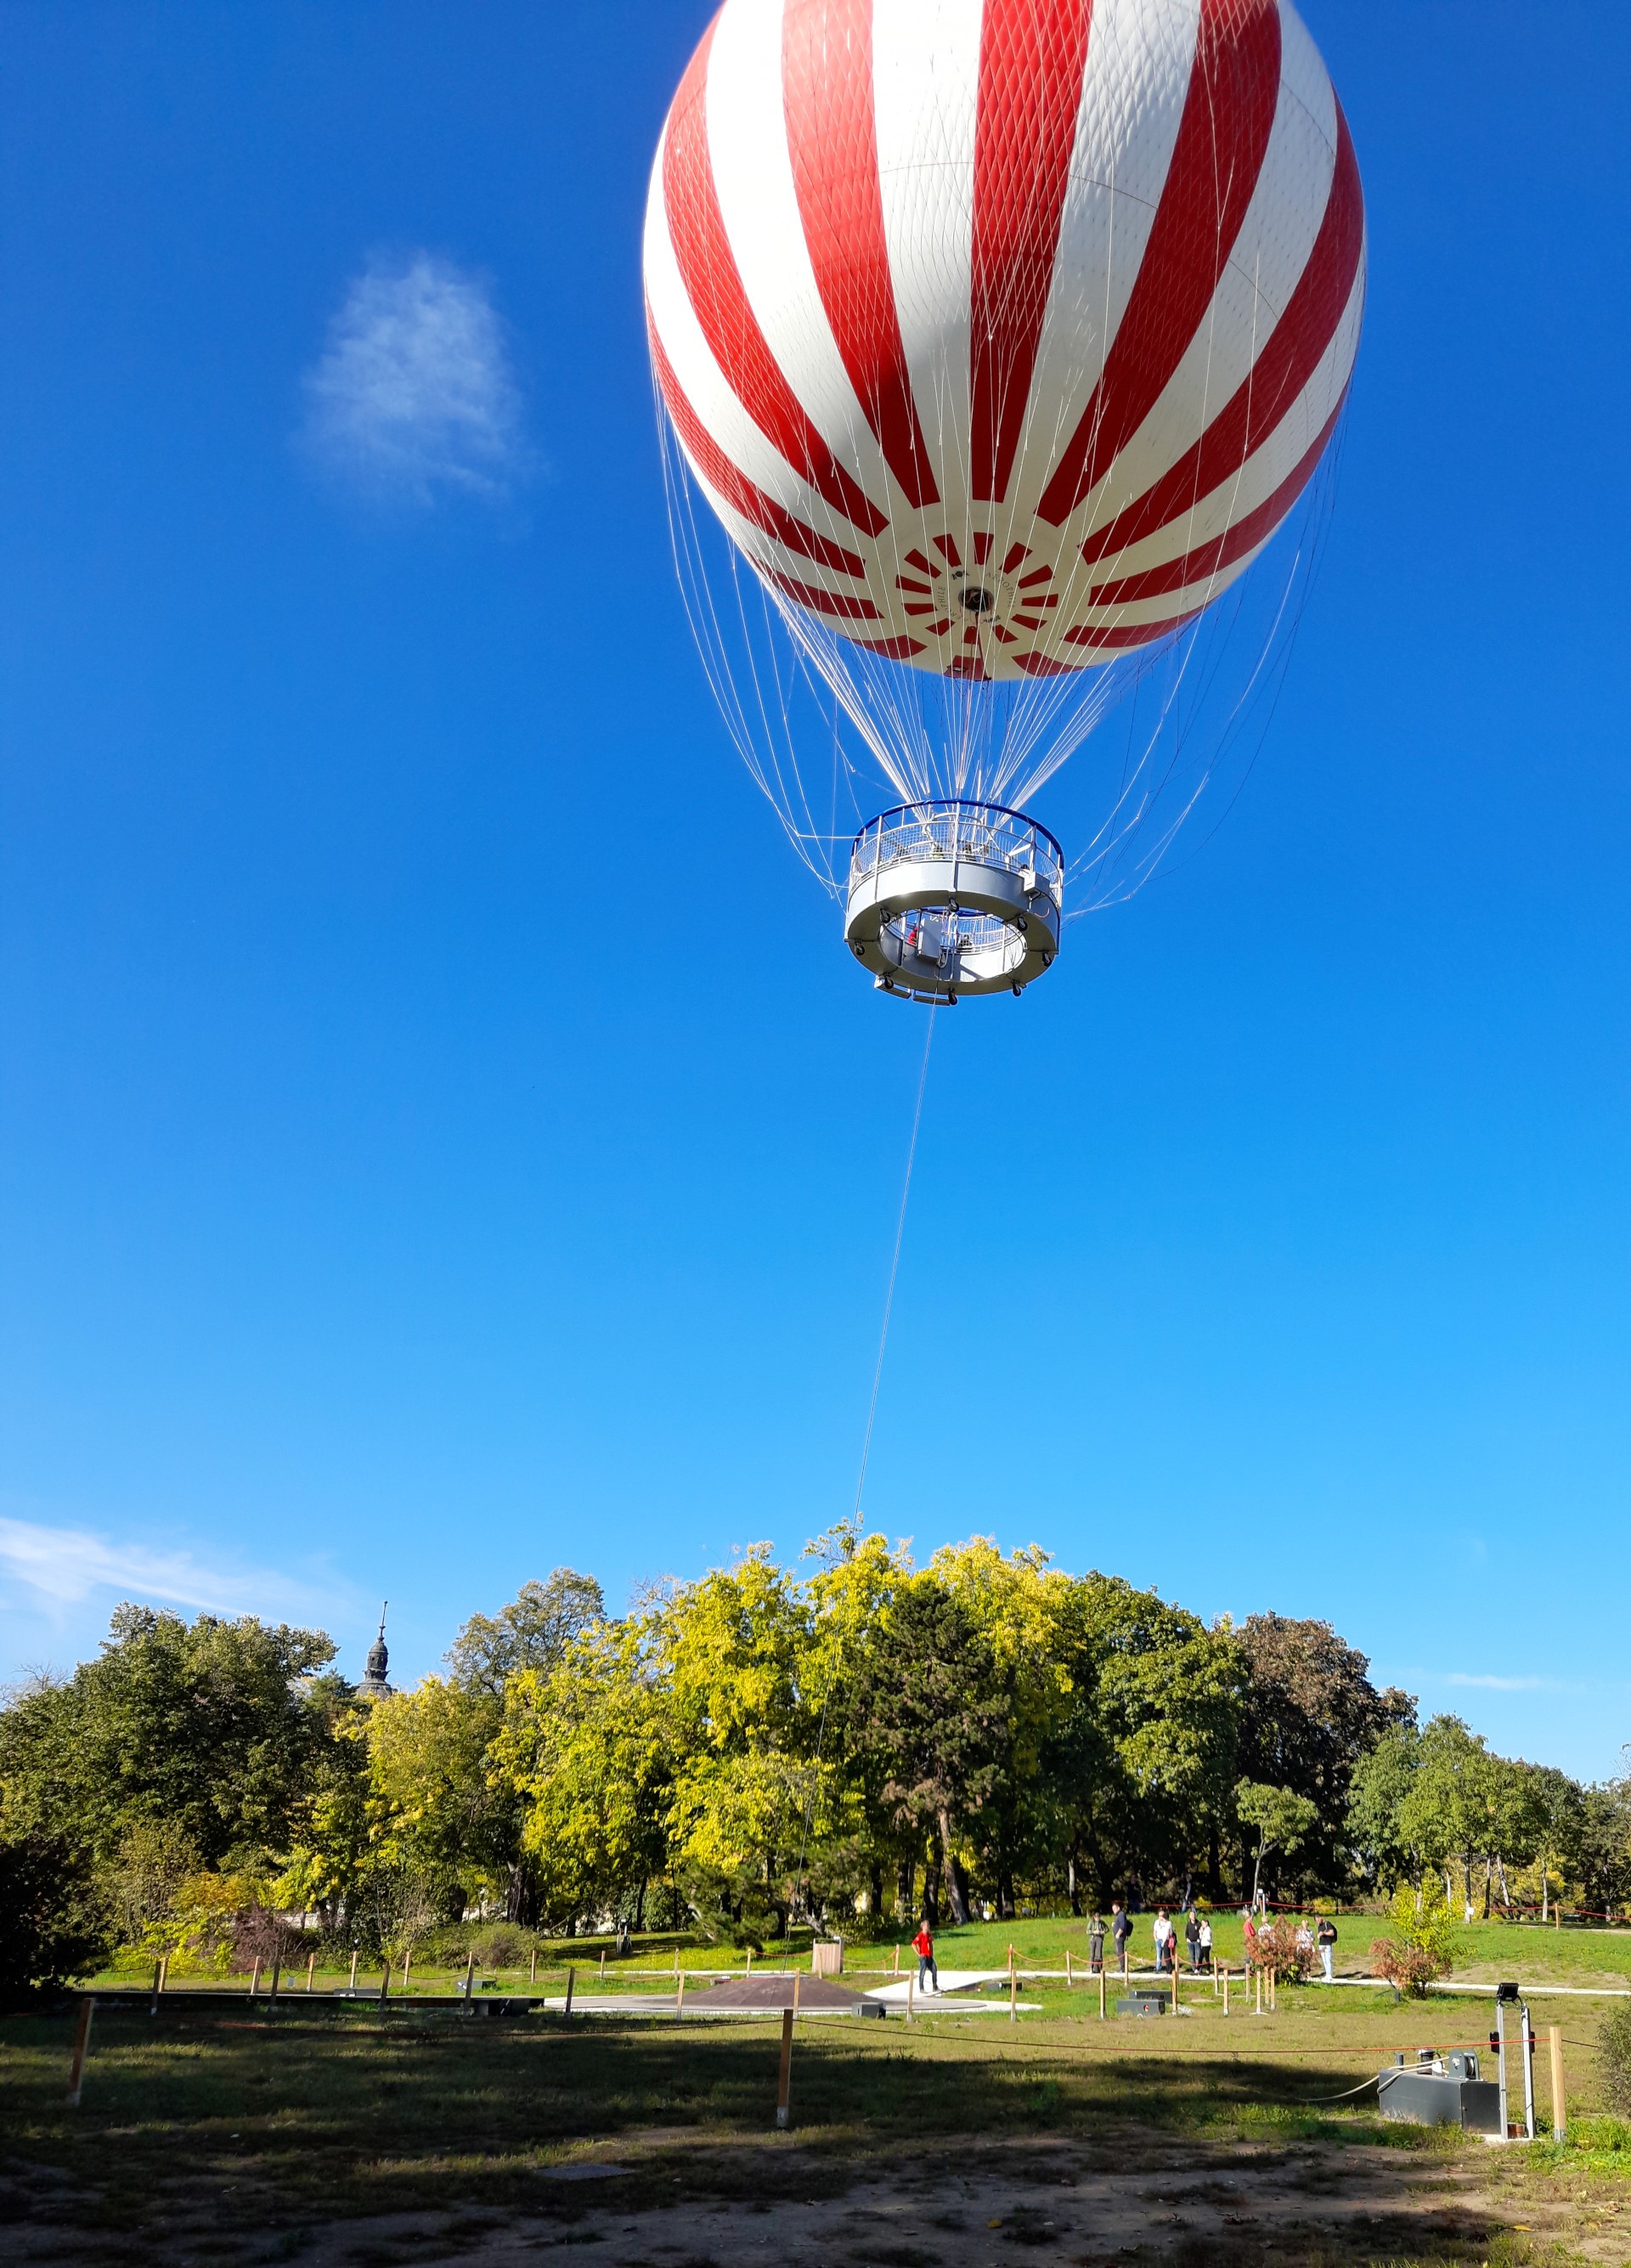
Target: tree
x=532 y=1632
x=926 y=1715
x=1379 y=1792
x=1555 y=1824
x=1309 y=1716
x=587 y=1747
x=1283 y=1820
x=211 y=1727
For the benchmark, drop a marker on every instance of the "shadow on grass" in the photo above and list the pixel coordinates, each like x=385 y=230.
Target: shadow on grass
x=295 y=2119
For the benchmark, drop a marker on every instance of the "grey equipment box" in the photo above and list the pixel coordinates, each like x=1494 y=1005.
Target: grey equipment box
x=1431 y=2095
x=1142 y=2004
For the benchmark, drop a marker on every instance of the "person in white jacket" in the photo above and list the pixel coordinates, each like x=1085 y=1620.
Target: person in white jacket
x=1164 y=1931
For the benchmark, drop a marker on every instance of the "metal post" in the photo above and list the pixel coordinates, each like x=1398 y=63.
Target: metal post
x=1501 y=2058
x=470 y=1977
x=1529 y=2071
x=82 y=2041
x=571 y=1979
x=158 y=1987
x=784 y=2088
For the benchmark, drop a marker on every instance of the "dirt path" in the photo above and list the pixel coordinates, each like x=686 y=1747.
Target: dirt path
x=977 y=2206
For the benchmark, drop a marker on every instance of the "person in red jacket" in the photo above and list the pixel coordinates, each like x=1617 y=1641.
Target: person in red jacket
x=923 y=1946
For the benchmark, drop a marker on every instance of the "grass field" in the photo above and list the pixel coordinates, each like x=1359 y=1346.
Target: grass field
x=340 y=2134
x=1486 y=1952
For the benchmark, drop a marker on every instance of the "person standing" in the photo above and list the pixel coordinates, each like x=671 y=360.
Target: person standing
x=923 y=1946
x=1249 y=1939
x=1205 y=1942
x=1192 y=1938
x=1095 y=1944
x=1163 y=1938
x=1328 y=1947
x=1121 y=1932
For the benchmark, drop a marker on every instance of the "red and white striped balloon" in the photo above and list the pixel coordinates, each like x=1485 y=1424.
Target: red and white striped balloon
x=1001 y=335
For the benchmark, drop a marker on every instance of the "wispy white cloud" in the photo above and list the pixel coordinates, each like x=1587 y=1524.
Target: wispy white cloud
x=63 y=1567
x=414 y=396
x=1492 y=1684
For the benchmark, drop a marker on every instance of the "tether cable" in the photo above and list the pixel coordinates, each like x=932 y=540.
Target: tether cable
x=889 y=1300
x=871 y=1407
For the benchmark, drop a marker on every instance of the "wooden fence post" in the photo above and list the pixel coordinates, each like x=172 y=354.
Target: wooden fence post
x=158 y=1987
x=1069 y=1980
x=911 y=1983
x=278 y=1970
x=784 y=2085
x=1175 y=1972
x=1560 y=2122
x=351 y=1984
x=407 y=1967
x=571 y=1979
x=750 y=1961
x=470 y=1978
x=311 y=1970
x=82 y=2041
x=533 y=1978
x=1104 y=2007
x=254 y=1978
x=679 y=1988
x=1012 y=1995
x=897 y=1957
x=1226 y=1988
x=385 y=1979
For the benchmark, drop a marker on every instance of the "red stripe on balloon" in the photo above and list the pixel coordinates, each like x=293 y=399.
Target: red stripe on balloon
x=743 y=495
x=1246 y=533
x=1031 y=60
x=811 y=596
x=713 y=284
x=1294 y=349
x=1130 y=633
x=1038 y=664
x=832 y=139
x=1223 y=136
x=896 y=648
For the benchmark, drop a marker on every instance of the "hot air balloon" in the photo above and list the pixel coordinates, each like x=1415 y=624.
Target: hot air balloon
x=1001 y=336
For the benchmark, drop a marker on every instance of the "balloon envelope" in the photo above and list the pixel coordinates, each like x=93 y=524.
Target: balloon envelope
x=1002 y=337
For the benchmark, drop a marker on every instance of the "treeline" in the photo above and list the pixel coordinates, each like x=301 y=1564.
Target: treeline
x=853 y=1744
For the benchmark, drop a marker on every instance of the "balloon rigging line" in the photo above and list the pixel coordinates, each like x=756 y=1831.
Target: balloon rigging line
x=889 y=1300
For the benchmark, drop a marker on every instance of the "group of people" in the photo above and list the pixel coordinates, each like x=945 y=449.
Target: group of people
x=1197 y=1935
x=1197 y=1938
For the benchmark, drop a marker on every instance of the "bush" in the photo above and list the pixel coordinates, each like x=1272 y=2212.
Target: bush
x=1423 y=1943
x=1277 y=1950
x=55 y=1923
x=502 y=1945
x=1614 y=2050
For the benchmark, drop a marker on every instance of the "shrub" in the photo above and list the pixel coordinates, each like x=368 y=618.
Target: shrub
x=1277 y=1949
x=1423 y=1943
x=501 y=1946
x=54 y=1921
x=1615 y=2056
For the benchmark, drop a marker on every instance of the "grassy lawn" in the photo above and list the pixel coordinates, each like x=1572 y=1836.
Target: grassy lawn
x=1489 y=1951
x=254 y=2131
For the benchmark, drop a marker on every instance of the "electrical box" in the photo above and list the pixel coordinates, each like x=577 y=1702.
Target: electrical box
x=1142 y=2004
x=1440 y=2098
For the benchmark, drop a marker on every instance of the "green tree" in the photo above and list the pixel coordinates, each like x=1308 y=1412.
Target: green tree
x=1309 y=1718
x=1282 y=1818
x=532 y=1632
x=586 y=1747
x=1376 y=1818
x=211 y=1727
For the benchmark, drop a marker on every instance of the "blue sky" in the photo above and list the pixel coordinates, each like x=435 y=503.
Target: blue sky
x=405 y=1186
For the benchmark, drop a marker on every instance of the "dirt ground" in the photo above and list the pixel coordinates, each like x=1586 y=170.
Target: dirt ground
x=948 y=2207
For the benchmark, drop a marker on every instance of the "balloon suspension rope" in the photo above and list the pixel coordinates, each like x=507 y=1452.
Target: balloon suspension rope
x=889 y=1300
x=871 y=1407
